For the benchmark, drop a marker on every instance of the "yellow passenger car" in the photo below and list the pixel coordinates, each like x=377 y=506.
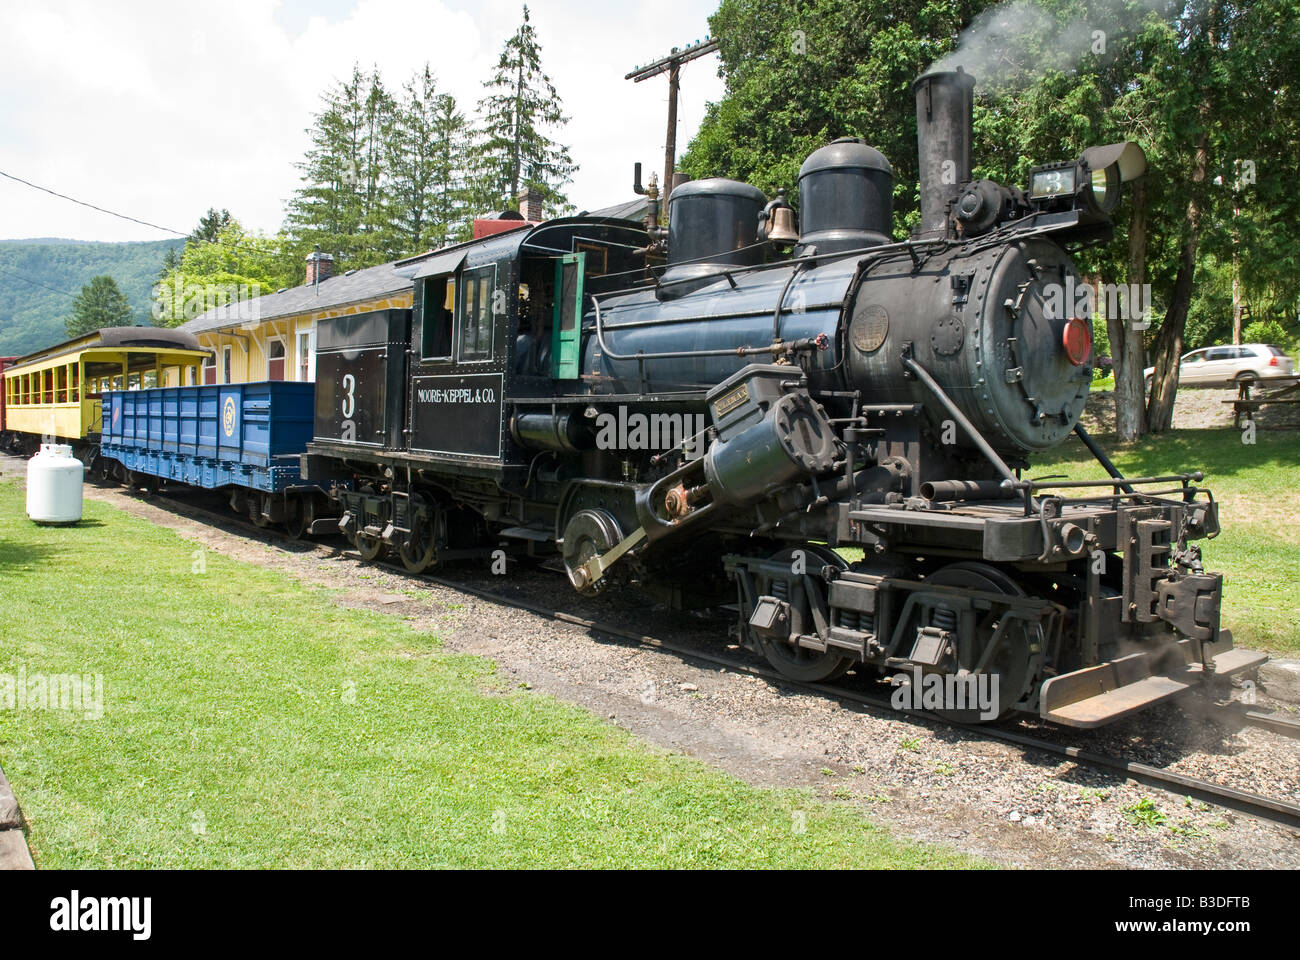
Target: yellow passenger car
x=53 y=394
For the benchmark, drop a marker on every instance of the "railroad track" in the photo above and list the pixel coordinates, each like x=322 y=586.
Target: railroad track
x=1264 y=808
x=1278 y=811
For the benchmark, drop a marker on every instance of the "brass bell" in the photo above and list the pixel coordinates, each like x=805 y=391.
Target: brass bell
x=780 y=226
x=782 y=230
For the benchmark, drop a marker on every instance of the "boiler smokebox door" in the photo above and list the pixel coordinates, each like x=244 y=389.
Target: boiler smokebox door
x=567 y=328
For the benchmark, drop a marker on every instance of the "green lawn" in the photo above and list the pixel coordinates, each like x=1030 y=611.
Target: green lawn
x=251 y=722
x=1258 y=487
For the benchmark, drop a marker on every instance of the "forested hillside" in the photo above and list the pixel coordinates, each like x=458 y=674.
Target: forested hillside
x=40 y=278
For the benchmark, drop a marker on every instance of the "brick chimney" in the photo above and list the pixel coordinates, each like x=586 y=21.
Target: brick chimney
x=530 y=204
x=320 y=266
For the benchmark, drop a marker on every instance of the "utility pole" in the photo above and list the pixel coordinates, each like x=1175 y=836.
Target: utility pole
x=672 y=65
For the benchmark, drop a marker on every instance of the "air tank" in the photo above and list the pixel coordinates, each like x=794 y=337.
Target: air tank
x=54 y=479
x=846 y=194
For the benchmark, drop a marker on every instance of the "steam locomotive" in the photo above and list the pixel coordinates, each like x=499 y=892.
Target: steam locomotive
x=722 y=410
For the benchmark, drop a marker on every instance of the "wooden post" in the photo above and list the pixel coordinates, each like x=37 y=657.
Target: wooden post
x=672 y=65
x=670 y=142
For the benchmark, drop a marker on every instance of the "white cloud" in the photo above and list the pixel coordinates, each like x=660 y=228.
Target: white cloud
x=161 y=109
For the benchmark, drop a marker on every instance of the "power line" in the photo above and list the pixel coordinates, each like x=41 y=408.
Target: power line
x=64 y=196
x=37 y=283
x=123 y=216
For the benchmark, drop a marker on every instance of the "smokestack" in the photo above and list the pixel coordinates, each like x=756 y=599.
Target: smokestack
x=944 y=111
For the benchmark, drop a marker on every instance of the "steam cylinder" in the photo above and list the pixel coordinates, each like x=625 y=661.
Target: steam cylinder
x=54 y=482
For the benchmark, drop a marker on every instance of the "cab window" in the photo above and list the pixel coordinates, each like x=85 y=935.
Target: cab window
x=475 y=315
x=438 y=309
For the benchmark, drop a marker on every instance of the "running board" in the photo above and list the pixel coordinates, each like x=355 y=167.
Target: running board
x=1098 y=695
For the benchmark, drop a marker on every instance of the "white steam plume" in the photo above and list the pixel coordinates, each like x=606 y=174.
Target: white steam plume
x=1014 y=43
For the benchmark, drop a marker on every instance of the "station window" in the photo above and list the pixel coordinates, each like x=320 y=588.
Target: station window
x=476 y=315
x=275 y=361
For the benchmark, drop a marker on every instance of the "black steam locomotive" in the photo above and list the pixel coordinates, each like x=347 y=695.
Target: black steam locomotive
x=715 y=411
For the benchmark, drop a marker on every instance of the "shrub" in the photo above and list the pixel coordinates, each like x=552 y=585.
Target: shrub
x=1264 y=331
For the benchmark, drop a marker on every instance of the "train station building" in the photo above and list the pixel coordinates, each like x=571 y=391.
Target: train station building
x=273 y=337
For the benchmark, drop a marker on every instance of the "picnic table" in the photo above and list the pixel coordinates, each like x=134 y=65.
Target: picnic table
x=1246 y=405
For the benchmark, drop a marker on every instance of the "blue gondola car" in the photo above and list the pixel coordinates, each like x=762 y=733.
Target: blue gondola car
x=245 y=437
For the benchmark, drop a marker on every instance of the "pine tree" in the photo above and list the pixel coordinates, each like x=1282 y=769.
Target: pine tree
x=379 y=242
x=341 y=203
x=522 y=104
x=210 y=224
x=99 y=304
x=426 y=155
x=170 y=261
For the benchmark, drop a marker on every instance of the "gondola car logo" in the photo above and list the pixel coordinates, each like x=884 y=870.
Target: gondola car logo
x=228 y=416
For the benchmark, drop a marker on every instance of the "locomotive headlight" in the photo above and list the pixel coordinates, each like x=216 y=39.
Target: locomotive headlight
x=1103 y=189
x=1091 y=183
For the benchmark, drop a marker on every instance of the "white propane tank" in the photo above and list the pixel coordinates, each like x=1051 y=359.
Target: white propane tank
x=54 y=480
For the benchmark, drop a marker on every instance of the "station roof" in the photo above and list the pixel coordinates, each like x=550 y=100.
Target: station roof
x=336 y=291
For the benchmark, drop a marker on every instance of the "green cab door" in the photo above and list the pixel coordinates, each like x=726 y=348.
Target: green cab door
x=567 y=327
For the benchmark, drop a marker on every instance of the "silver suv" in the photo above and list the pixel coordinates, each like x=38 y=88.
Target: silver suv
x=1218 y=366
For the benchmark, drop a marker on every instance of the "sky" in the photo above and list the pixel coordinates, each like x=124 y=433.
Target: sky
x=160 y=109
